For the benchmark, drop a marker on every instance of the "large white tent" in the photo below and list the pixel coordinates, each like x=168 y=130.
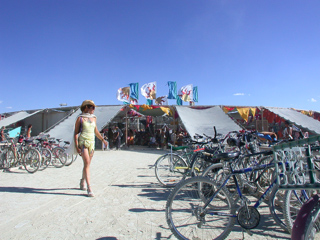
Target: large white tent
x=64 y=129
x=16 y=118
x=297 y=118
x=201 y=121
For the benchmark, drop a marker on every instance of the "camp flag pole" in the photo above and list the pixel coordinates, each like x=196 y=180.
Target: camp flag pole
x=126 y=126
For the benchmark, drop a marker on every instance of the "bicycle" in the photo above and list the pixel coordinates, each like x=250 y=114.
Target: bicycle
x=23 y=154
x=202 y=208
x=172 y=167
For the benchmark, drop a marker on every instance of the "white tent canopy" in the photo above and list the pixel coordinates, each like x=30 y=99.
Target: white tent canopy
x=64 y=129
x=16 y=118
x=202 y=121
x=297 y=118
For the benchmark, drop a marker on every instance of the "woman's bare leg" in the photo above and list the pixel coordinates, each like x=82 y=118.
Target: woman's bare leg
x=86 y=166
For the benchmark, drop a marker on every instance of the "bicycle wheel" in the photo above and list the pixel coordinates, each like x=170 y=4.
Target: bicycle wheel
x=170 y=169
x=198 y=165
x=293 y=201
x=185 y=214
x=32 y=160
x=313 y=225
x=59 y=157
x=9 y=160
x=276 y=206
x=70 y=159
x=46 y=157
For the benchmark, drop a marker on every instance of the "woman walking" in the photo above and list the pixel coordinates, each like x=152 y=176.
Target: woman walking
x=84 y=140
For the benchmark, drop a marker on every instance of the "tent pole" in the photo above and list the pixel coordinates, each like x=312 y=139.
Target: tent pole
x=262 y=127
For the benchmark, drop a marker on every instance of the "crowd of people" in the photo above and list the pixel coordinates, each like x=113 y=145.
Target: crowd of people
x=158 y=138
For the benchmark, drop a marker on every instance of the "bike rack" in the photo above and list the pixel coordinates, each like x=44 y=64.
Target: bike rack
x=294 y=165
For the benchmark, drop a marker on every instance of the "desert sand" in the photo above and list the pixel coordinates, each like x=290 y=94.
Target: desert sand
x=128 y=204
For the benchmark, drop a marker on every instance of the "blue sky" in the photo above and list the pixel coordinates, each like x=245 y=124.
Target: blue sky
x=244 y=53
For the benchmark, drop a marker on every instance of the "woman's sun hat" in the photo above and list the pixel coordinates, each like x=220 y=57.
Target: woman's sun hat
x=85 y=103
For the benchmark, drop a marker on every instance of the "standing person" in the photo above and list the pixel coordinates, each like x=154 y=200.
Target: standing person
x=84 y=139
x=2 y=135
x=110 y=138
x=117 y=137
x=29 y=131
x=287 y=132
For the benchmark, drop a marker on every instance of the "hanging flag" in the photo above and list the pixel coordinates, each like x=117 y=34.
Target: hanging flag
x=133 y=101
x=244 y=113
x=149 y=90
x=162 y=100
x=195 y=94
x=179 y=101
x=172 y=90
x=253 y=111
x=123 y=94
x=134 y=91
x=149 y=102
x=186 y=93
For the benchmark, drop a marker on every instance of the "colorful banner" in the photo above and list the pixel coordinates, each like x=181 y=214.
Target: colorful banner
x=186 y=93
x=244 y=113
x=179 y=101
x=134 y=91
x=162 y=100
x=149 y=90
x=172 y=90
x=195 y=94
x=123 y=94
x=133 y=101
x=149 y=102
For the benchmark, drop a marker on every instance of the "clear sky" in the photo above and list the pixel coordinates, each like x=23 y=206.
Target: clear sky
x=245 y=53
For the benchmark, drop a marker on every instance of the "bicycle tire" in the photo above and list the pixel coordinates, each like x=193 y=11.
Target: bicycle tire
x=59 y=157
x=46 y=158
x=71 y=158
x=185 y=203
x=32 y=160
x=276 y=206
x=170 y=169
x=10 y=159
x=307 y=217
x=198 y=165
x=313 y=225
x=293 y=201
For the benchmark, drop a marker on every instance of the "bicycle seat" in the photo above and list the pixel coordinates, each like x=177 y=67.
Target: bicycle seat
x=28 y=140
x=66 y=142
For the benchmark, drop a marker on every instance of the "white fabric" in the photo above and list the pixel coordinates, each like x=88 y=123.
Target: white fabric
x=65 y=129
x=297 y=118
x=202 y=121
x=16 y=118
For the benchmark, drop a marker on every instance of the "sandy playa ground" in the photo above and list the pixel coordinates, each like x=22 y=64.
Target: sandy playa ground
x=128 y=204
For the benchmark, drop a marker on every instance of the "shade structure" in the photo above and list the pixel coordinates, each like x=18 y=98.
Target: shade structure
x=297 y=118
x=16 y=118
x=64 y=129
x=202 y=121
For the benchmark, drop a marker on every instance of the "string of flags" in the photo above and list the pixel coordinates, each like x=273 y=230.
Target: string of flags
x=130 y=94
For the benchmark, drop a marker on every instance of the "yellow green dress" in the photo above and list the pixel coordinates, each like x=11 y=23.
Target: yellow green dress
x=87 y=136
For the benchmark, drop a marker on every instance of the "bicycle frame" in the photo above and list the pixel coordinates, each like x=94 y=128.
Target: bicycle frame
x=233 y=174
